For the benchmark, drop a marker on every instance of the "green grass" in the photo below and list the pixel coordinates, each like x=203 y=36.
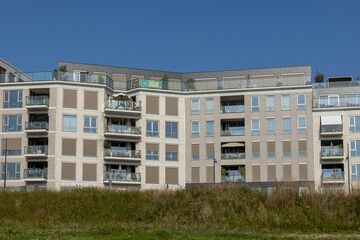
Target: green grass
x=193 y=213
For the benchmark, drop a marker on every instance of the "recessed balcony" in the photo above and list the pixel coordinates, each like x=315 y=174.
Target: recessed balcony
x=331 y=130
x=332 y=152
x=35 y=175
x=335 y=175
x=36 y=127
x=37 y=102
x=114 y=130
x=122 y=178
x=116 y=106
x=116 y=154
x=36 y=151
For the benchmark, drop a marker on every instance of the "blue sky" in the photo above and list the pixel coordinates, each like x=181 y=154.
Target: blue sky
x=183 y=36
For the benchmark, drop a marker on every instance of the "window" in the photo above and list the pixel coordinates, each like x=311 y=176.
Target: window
x=270 y=126
x=329 y=100
x=195 y=129
x=195 y=106
x=354 y=124
x=301 y=102
x=12 y=171
x=152 y=128
x=11 y=147
x=301 y=124
x=12 y=123
x=152 y=151
x=285 y=102
x=255 y=126
x=171 y=153
x=255 y=149
x=270 y=149
x=270 y=103
x=13 y=99
x=171 y=129
x=353 y=99
x=355 y=172
x=209 y=128
x=286 y=125
x=255 y=105
x=195 y=152
x=90 y=124
x=355 y=148
x=69 y=123
x=286 y=148
x=209 y=151
x=302 y=148
x=209 y=105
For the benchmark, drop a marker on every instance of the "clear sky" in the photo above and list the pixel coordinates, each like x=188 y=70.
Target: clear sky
x=183 y=36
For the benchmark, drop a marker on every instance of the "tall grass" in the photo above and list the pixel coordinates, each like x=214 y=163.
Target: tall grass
x=219 y=208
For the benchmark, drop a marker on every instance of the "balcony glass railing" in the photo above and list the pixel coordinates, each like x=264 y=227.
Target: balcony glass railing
x=233 y=155
x=41 y=149
x=354 y=83
x=331 y=128
x=37 y=100
x=32 y=173
x=123 y=105
x=114 y=128
x=232 y=109
x=334 y=151
x=233 y=177
x=333 y=174
x=336 y=102
x=122 y=153
x=234 y=132
x=36 y=126
x=127 y=177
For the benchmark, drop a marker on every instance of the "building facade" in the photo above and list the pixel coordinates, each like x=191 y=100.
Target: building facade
x=115 y=127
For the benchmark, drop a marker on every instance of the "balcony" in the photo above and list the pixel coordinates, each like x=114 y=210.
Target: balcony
x=36 y=151
x=335 y=102
x=37 y=102
x=36 y=127
x=239 y=131
x=114 y=130
x=233 y=155
x=129 y=107
x=117 y=154
x=234 y=173
x=332 y=176
x=331 y=130
x=35 y=175
x=332 y=153
x=122 y=178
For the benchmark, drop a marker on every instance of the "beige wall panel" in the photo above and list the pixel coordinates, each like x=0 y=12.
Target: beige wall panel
x=152 y=105
x=287 y=173
x=91 y=100
x=89 y=172
x=68 y=171
x=152 y=175
x=171 y=175
x=256 y=173
x=195 y=174
x=68 y=147
x=90 y=148
x=271 y=172
x=171 y=107
x=70 y=98
x=303 y=172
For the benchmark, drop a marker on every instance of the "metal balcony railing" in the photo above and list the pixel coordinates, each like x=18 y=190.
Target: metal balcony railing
x=36 y=126
x=122 y=153
x=41 y=149
x=34 y=173
x=127 y=177
x=114 y=128
x=37 y=100
x=123 y=105
x=233 y=155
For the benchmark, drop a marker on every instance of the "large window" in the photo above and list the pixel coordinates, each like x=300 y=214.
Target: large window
x=255 y=104
x=353 y=99
x=301 y=101
x=152 y=151
x=12 y=123
x=285 y=102
x=210 y=128
x=12 y=171
x=270 y=125
x=255 y=126
x=171 y=153
x=354 y=124
x=270 y=103
x=301 y=124
x=195 y=129
x=195 y=106
x=329 y=100
x=152 y=128
x=209 y=105
x=69 y=123
x=90 y=124
x=355 y=172
x=355 y=148
x=286 y=125
x=13 y=99
x=171 y=129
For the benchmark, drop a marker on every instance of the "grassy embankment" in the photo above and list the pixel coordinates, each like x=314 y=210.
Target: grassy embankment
x=195 y=210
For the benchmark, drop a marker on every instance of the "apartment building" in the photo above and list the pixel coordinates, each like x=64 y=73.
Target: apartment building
x=115 y=127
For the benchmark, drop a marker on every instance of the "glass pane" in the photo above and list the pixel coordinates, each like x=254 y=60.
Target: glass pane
x=86 y=121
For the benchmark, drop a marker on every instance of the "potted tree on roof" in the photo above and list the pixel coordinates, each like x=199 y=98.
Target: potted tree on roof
x=165 y=81
x=189 y=84
x=319 y=78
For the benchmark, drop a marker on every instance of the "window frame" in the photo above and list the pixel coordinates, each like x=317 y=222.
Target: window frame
x=152 y=132
x=195 y=134
x=353 y=125
x=270 y=108
x=301 y=106
x=206 y=106
x=255 y=131
x=212 y=134
x=17 y=172
x=152 y=155
x=171 y=134
x=195 y=111
x=282 y=125
x=69 y=115
x=255 y=108
x=299 y=128
x=7 y=99
x=267 y=126
x=285 y=107
x=6 y=123
x=90 y=128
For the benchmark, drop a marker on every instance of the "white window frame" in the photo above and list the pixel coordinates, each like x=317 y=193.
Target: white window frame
x=255 y=108
x=70 y=115
x=270 y=108
x=91 y=118
x=18 y=123
x=152 y=132
x=195 y=111
x=357 y=99
x=353 y=125
x=285 y=107
x=197 y=134
x=270 y=155
x=299 y=106
x=301 y=129
x=328 y=99
x=206 y=105
x=267 y=126
x=172 y=132
x=354 y=149
x=286 y=155
x=255 y=131
x=282 y=125
x=207 y=130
